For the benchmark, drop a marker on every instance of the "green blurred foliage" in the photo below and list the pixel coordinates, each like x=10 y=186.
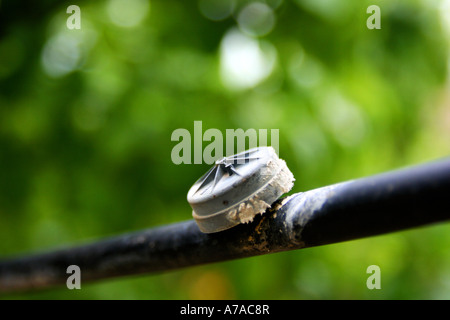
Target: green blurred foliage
x=86 y=118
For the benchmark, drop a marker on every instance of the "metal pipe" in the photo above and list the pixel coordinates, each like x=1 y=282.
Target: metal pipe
x=355 y=209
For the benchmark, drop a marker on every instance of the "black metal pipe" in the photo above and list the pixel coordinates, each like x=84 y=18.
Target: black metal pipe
x=360 y=208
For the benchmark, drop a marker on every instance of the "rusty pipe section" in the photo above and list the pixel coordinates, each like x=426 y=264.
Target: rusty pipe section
x=388 y=202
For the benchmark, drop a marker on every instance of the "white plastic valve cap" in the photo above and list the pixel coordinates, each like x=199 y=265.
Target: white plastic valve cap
x=238 y=188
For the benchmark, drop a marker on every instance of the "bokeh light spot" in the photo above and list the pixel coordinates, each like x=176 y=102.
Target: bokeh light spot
x=245 y=62
x=256 y=19
x=61 y=55
x=128 y=13
x=216 y=10
x=305 y=71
